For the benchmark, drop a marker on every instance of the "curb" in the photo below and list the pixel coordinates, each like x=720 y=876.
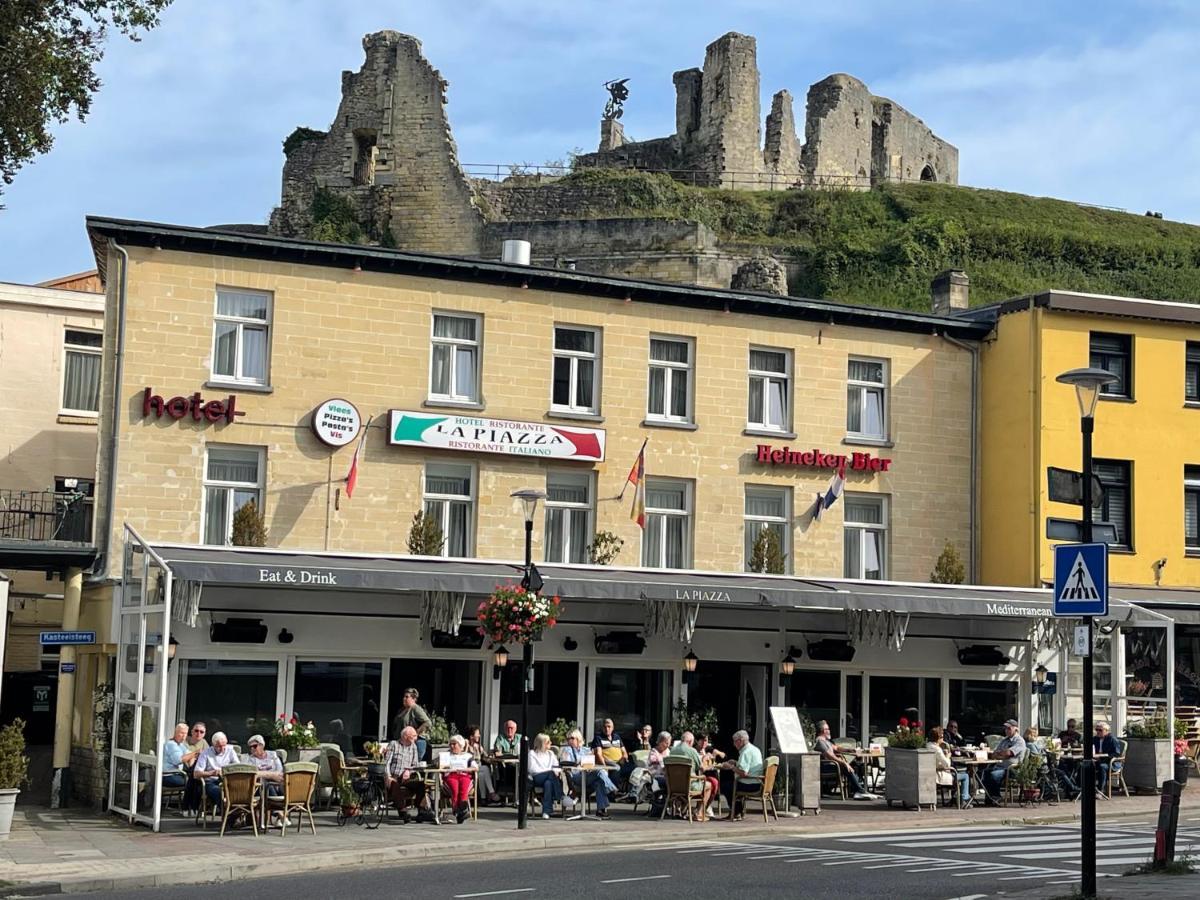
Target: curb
x=402 y=854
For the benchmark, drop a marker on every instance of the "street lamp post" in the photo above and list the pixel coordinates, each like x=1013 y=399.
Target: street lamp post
x=531 y=581
x=1087 y=384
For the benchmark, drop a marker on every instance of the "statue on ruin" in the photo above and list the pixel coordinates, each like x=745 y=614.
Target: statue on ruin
x=617 y=95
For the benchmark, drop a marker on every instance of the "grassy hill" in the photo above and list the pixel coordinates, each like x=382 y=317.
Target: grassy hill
x=882 y=247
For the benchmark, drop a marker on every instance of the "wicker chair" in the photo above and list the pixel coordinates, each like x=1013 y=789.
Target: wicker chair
x=1116 y=771
x=337 y=765
x=682 y=787
x=761 y=793
x=238 y=794
x=299 y=784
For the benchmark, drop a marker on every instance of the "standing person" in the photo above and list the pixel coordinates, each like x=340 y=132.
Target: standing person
x=545 y=772
x=462 y=765
x=577 y=755
x=952 y=737
x=209 y=766
x=411 y=715
x=831 y=758
x=946 y=773
x=1009 y=752
x=487 y=787
x=749 y=764
x=402 y=778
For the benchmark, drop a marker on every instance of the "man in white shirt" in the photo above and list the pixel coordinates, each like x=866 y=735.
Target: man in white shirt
x=210 y=764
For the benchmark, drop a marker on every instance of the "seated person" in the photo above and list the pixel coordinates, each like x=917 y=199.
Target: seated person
x=656 y=771
x=830 y=759
x=544 y=772
x=709 y=754
x=507 y=745
x=598 y=781
x=458 y=781
x=209 y=766
x=487 y=787
x=270 y=767
x=946 y=773
x=686 y=749
x=1036 y=745
x=1010 y=751
x=951 y=737
x=1105 y=743
x=195 y=744
x=402 y=777
x=608 y=749
x=175 y=748
x=749 y=766
x=1071 y=736
x=645 y=737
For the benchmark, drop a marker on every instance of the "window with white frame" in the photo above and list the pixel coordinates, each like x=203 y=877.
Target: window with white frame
x=81 y=372
x=576 y=369
x=670 y=380
x=866 y=399
x=667 y=536
x=865 y=536
x=568 y=516
x=450 y=500
x=241 y=332
x=232 y=478
x=1191 y=509
x=454 y=358
x=767 y=510
x=770 y=389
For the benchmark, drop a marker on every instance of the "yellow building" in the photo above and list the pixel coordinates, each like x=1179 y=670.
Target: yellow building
x=1146 y=452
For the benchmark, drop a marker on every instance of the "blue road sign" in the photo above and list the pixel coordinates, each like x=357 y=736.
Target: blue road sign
x=1081 y=580
x=59 y=638
x=66 y=668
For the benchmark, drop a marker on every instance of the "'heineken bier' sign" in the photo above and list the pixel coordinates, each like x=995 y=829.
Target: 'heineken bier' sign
x=477 y=434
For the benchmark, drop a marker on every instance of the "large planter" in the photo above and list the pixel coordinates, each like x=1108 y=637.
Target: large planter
x=911 y=777
x=1149 y=762
x=8 y=802
x=806 y=788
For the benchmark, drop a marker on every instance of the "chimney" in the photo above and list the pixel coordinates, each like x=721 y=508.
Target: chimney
x=950 y=292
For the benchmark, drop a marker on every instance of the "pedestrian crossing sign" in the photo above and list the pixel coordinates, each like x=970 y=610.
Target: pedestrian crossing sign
x=1081 y=580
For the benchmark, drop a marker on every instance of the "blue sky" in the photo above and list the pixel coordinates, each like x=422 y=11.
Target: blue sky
x=1090 y=101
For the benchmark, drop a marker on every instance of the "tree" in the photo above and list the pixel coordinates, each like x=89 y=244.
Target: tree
x=49 y=50
x=949 y=568
x=425 y=536
x=249 y=526
x=766 y=555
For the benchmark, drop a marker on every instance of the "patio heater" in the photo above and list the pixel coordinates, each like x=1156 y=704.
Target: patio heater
x=1087 y=384
x=531 y=581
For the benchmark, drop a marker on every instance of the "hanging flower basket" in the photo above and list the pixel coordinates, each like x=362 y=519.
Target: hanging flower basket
x=514 y=614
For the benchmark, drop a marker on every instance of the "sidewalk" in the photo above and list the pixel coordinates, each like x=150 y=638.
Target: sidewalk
x=71 y=851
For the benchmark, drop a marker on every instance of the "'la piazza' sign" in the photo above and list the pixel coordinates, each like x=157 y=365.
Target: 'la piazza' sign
x=476 y=434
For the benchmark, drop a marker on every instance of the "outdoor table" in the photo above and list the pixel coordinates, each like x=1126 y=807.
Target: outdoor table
x=583 y=774
x=870 y=761
x=505 y=761
x=974 y=766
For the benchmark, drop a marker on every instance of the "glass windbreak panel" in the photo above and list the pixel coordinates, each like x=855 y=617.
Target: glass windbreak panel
x=448 y=687
x=1146 y=663
x=123 y=784
x=126 y=713
x=131 y=589
x=817 y=694
x=854 y=695
x=341 y=699
x=982 y=707
x=234 y=696
x=631 y=697
x=152 y=661
x=145 y=790
x=129 y=659
x=148 y=731
x=891 y=698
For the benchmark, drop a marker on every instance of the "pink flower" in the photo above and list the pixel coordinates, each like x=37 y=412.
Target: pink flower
x=903 y=722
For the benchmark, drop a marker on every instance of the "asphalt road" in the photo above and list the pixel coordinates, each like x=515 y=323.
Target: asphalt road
x=932 y=864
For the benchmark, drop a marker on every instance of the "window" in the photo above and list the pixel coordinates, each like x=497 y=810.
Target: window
x=1191 y=508
x=667 y=538
x=1113 y=352
x=81 y=372
x=769 y=390
x=1191 y=378
x=366 y=152
x=78 y=505
x=576 y=352
x=232 y=478
x=670 y=380
x=449 y=497
x=454 y=361
x=866 y=399
x=767 y=510
x=240 y=332
x=229 y=695
x=568 y=516
x=865 y=541
x=1116 y=506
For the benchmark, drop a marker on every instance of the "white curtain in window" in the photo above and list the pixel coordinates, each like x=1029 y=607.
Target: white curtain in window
x=232 y=466
x=864 y=370
x=566 y=492
x=765 y=505
x=679 y=393
x=652 y=541
x=464 y=371
x=676 y=533
x=584 y=378
x=457 y=327
x=755 y=403
x=669 y=351
x=555 y=534
x=872 y=555
x=225 y=351
x=216 y=515
x=439 y=483
x=254 y=353
x=777 y=401
x=81 y=382
x=873 y=418
x=866 y=511
x=562 y=381
x=767 y=361
x=440 y=375
x=664 y=496
x=658 y=388
x=852 y=552
x=456 y=538
x=580 y=536
x=242 y=305
x=854 y=409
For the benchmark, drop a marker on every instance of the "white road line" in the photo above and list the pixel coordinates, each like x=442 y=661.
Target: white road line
x=1022 y=877
x=496 y=893
x=642 y=878
x=1066 y=848
x=674 y=845
x=1113 y=851
x=934 y=834
x=908 y=860
x=969 y=897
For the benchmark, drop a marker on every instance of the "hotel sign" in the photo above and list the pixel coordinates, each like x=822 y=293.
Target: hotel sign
x=477 y=434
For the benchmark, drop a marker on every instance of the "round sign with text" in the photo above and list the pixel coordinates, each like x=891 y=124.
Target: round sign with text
x=336 y=422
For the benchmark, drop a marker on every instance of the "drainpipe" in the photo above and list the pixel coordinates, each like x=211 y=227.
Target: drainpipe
x=101 y=565
x=973 y=349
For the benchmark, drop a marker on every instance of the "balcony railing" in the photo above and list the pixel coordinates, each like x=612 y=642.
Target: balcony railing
x=45 y=516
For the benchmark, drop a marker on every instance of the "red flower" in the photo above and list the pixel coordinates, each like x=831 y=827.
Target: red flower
x=550 y=623
x=903 y=722
x=917 y=724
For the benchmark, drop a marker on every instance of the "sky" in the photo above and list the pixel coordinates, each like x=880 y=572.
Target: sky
x=1089 y=101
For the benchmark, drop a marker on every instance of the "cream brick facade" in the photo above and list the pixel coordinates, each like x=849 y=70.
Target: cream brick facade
x=365 y=336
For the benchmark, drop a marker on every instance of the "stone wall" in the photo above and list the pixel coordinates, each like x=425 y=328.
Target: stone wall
x=837 y=133
x=904 y=149
x=89 y=778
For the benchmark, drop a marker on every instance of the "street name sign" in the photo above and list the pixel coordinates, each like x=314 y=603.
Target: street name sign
x=1081 y=580
x=61 y=638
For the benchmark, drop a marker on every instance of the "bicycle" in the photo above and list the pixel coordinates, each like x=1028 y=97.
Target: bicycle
x=372 y=799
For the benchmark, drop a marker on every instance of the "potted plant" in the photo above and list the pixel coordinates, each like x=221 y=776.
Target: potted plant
x=514 y=614
x=558 y=731
x=697 y=721
x=438 y=733
x=1149 y=756
x=1025 y=775
x=14 y=770
x=298 y=738
x=348 y=798
x=911 y=767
